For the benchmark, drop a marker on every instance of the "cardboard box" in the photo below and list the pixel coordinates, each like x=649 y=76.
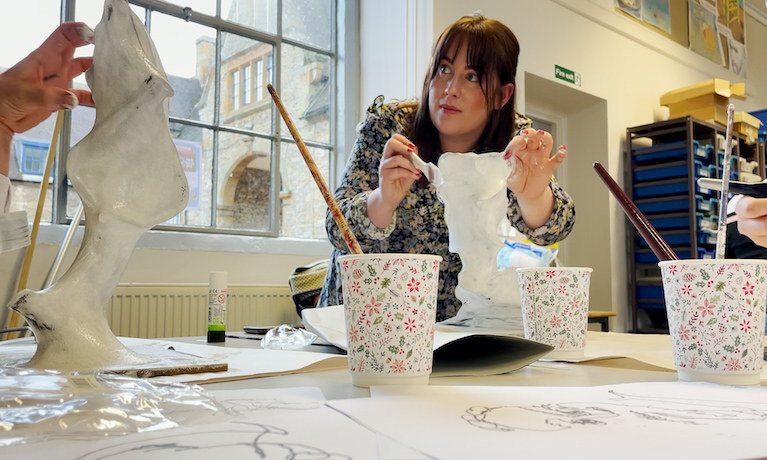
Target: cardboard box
x=746 y=124
x=707 y=100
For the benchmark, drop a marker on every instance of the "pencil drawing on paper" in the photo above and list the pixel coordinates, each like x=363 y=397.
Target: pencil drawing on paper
x=241 y=439
x=569 y=415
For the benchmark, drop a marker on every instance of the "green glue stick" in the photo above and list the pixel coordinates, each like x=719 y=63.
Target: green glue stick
x=217 y=307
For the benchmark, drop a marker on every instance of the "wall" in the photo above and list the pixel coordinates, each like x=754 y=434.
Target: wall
x=621 y=62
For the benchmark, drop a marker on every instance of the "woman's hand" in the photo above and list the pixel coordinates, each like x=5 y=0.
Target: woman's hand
x=529 y=181
x=396 y=175
x=34 y=88
x=752 y=218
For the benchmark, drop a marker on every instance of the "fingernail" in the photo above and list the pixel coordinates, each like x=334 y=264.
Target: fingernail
x=69 y=101
x=541 y=132
x=86 y=33
x=524 y=131
x=411 y=146
x=409 y=150
x=563 y=146
x=507 y=155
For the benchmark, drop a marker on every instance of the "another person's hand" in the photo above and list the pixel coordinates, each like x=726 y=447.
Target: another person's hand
x=33 y=89
x=396 y=171
x=533 y=164
x=752 y=219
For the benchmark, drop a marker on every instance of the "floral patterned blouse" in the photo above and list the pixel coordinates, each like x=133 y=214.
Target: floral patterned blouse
x=418 y=226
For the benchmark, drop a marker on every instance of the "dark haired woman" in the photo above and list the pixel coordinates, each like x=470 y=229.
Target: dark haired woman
x=467 y=105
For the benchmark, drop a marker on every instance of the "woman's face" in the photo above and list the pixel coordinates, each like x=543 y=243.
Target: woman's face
x=457 y=106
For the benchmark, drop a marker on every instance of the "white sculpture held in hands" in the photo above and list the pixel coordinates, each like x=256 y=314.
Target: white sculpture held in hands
x=474 y=194
x=129 y=178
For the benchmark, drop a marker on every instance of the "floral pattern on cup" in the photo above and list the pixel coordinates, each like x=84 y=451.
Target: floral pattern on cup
x=390 y=311
x=716 y=314
x=555 y=305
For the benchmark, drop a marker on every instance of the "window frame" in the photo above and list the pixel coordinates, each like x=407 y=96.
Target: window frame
x=348 y=11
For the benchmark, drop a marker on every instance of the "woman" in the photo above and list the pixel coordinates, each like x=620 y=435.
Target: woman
x=467 y=104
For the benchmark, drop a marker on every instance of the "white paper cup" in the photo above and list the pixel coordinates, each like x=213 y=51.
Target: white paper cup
x=716 y=318
x=390 y=309
x=555 y=308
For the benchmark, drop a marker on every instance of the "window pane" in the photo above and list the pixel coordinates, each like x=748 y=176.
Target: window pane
x=307 y=21
x=195 y=151
x=187 y=52
x=306 y=93
x=303 y=207
x=260 y=79
x=247 y=85
x=244 y=182
x=258 y=14
x=238 y=52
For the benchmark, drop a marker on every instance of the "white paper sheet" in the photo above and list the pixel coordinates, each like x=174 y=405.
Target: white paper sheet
x=243 y=362
x=268 y=424
x=640 y=420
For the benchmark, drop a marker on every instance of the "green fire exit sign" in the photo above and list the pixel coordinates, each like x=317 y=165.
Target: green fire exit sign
x=567 y=75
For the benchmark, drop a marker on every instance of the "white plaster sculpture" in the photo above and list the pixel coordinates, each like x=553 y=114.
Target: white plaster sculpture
x=129 y=178
x=474 y=193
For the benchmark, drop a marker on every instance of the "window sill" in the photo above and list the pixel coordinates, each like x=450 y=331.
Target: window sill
x=184 y=241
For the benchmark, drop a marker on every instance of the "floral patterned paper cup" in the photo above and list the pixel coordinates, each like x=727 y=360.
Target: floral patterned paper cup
x=390 y=310
x=716 y=314
x=555 y=308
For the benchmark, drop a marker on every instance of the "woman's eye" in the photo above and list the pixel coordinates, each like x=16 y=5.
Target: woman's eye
x=443 y=69
x=472 y=77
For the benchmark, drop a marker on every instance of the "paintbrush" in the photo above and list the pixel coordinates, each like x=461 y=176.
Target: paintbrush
x=721 y=231
x=658 y=245
x=351 y=240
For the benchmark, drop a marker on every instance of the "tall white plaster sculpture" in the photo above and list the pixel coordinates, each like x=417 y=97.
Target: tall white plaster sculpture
x=474 y=193
x=129 y=178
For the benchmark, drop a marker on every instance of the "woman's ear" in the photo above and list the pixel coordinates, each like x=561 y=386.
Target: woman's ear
x=505 y=94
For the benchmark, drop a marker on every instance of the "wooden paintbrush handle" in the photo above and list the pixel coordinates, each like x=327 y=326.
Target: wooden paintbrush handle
x=351 y=240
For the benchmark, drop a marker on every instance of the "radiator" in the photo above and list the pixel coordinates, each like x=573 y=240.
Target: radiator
x=151 y=311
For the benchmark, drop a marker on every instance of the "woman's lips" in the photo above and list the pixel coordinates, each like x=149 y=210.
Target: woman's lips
x=449 y=108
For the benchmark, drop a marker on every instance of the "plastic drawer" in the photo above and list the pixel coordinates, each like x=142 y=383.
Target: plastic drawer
x=651 y=305
x=702 y=151
x=670 y=170
x=683 y=221
x=649 y=292
x=648 y=257
x=661 y=152
x=651 y=189
x=682 y=238
x=707 y=205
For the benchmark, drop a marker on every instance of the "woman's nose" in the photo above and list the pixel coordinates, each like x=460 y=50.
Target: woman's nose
x=451 y=88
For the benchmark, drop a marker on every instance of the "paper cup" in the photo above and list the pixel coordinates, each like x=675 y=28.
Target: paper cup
x=390 y=309
x=716 y=318
x=555 y=308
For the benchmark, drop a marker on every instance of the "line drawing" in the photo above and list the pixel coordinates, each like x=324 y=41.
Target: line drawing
x=569 y=415
x=252 y=442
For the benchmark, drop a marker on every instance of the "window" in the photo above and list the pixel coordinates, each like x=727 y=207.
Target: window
x=259 y=79
x=247 y=89
x=34 y=155
x=226 y=129
x=235 y=90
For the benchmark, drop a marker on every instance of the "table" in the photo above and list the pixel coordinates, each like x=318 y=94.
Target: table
x=337 y=384
x=602 y=318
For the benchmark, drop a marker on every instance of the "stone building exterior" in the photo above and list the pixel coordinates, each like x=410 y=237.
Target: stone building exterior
x=244 y=162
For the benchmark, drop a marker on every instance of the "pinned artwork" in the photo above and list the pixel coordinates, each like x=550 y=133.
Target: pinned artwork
x=129 y=178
